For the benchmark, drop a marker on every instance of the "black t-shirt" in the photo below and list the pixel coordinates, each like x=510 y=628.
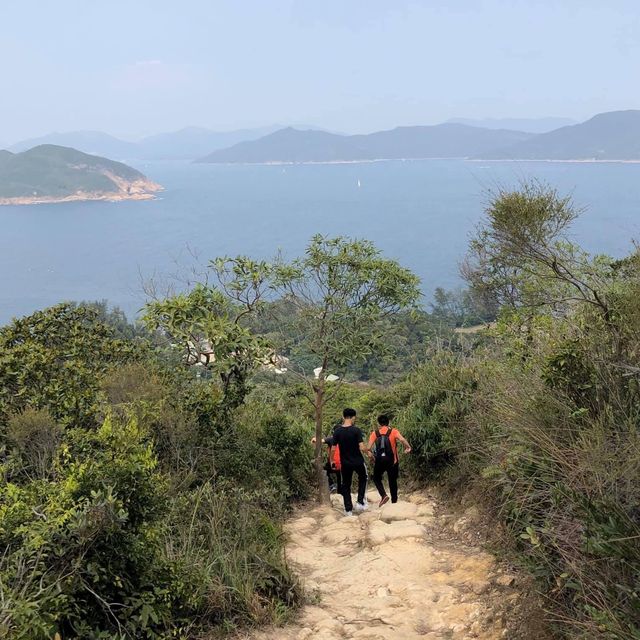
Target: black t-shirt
x=329 y=439
x=348 y=440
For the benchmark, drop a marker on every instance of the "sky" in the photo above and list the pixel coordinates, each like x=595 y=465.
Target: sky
x=137 y=67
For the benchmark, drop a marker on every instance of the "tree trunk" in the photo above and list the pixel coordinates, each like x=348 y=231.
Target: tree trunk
x=323 y=487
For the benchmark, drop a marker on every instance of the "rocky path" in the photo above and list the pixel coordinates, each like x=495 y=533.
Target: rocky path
x=387 y=573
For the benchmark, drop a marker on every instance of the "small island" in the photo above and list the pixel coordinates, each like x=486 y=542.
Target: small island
x=51 y=173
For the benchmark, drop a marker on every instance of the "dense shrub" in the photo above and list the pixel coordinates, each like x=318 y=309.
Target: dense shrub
x=134 y=504
x=228 y=551
x=32 y=438
x=546 y=428
x=430 y=407
x=55 y=359
x=61 y=536
x=106 y=552
x=565 y=482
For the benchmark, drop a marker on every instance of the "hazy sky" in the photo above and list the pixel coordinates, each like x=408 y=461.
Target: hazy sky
x=143 y=66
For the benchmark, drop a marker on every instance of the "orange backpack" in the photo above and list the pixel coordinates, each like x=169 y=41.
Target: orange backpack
x=336 y=457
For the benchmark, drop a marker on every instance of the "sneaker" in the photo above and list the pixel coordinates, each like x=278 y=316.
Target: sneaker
x=361 y=507
x=384 y=501
x=348 y=513
x=333 y=488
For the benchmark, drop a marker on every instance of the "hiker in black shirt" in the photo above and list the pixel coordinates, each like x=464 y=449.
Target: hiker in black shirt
x=350 y=442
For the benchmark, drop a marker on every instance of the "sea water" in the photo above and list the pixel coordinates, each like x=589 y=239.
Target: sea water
x=418 y=212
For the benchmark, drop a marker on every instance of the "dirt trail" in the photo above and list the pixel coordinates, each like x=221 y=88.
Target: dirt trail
x=387 y=574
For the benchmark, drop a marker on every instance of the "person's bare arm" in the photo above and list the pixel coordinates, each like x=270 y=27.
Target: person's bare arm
x=371 y=442
x=406 y=446
x=366 y=451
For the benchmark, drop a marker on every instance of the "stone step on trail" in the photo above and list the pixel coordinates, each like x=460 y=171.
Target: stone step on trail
x=381 y=575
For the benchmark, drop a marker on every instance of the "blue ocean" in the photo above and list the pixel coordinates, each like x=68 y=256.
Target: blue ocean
x=418 y=212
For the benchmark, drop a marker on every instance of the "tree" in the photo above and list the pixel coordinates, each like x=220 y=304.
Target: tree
x=338 y=296
x=460 y=308
x=55 y=359
x=205 y=326
x=115 y=317
x=521 y=256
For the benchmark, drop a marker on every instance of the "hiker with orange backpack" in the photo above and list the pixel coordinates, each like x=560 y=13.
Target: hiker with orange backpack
x=384 y=442
x=332 y=465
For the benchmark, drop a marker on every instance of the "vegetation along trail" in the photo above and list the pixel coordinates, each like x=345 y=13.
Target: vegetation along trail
x=388 y=573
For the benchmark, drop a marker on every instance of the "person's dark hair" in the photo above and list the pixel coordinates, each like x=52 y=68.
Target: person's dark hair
x=349 y=413
x=383 y=420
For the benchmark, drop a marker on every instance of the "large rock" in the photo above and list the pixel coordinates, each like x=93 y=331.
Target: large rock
x=405 y=511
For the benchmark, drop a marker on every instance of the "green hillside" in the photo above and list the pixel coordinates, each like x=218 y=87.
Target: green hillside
x=51 y=171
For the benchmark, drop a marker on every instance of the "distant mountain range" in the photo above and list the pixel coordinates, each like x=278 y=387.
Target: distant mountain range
x=94 y=142
x=186 y=144
x=607 y=136
x=438 y=141
x=51 y=173
x=530 y=125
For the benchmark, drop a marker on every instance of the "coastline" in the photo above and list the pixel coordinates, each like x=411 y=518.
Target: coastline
x=464 y=159
x=555 y=160
x=139 y=190
x=278 y=163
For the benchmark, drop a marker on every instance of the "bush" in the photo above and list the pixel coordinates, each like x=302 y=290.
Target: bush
x=542 y=421
x=430 y=408
x=563 y=482
x=545 y=422
x=33 y=438
x=55 y=359
x=81 y=550
x=105 y=551
x=286 y=439
x=139 y=499
x=229 y=557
